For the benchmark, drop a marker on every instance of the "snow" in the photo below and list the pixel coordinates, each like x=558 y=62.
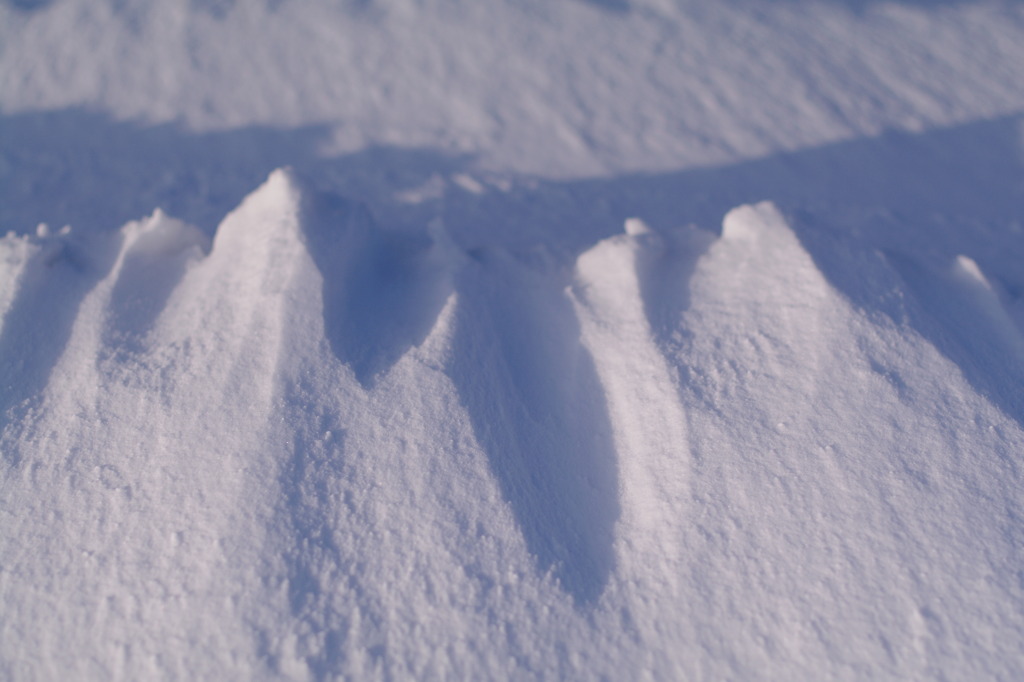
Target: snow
x=587 y=339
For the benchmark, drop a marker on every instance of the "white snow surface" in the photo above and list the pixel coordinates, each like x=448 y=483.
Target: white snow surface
x=575 y=339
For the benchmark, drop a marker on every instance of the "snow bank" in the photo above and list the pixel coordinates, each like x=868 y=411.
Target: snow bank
x=686 y=455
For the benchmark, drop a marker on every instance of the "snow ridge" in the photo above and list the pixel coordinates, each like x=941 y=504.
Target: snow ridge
x=315 y=448
x=649 y=422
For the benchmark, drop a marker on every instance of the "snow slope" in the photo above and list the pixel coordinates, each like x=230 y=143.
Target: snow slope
x=587 y=340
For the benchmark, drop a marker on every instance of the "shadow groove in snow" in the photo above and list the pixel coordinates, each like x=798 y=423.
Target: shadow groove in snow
x=538 y=409
x=38 y=325
x=382 y=292
x=157 y=258
x=664 y=270
x=965 y=322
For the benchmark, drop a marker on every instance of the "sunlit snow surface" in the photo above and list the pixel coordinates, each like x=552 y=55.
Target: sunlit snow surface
x=575 y=339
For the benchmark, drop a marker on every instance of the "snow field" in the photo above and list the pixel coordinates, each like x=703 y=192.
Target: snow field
x=556 y=89
x=588 y=339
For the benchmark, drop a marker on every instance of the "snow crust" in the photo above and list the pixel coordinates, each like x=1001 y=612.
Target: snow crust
x=451 y=356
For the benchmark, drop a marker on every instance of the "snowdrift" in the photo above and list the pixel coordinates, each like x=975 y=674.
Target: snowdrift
x=319 y=448
x=575 y=339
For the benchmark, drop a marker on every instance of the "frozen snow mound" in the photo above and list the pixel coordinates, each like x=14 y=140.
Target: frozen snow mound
x=317 y=448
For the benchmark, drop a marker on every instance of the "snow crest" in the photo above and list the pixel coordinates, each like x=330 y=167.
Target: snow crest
x=316 y=448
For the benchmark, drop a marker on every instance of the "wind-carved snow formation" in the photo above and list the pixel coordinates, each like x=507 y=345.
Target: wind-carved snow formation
x=510 y=371
x=317 y=448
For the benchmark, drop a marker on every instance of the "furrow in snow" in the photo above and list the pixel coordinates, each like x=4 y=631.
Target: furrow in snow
x=394 y=509
x=155 y=255
x=353 y=504
x=963 y=315
x=52 y=274
x=538 y=410
x=382 y=292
